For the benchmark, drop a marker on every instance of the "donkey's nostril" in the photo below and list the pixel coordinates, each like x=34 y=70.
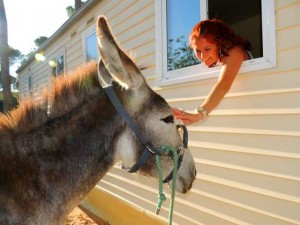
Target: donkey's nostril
x=193 y=173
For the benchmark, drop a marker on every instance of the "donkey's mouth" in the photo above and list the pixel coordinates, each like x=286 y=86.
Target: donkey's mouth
x=183 y=185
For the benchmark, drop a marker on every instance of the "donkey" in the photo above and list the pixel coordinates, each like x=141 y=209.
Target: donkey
x=54 y=152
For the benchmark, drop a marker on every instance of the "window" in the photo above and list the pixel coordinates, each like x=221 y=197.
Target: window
x=57 y=65
x=90 y=45
x=253 y=20
x=29 y=83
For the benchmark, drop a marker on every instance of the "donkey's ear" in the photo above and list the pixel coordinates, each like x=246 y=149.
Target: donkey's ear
x=121 y=68
x=103 y=75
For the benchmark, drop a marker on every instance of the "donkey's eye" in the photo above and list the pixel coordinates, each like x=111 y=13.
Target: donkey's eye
x=168 y=119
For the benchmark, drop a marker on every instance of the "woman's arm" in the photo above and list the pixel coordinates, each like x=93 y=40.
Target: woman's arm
x=230 y=68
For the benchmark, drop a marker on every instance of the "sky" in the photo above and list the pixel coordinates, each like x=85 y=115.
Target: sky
x=30 y=19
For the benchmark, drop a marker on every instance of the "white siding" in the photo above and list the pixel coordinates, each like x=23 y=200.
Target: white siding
x=247 y=152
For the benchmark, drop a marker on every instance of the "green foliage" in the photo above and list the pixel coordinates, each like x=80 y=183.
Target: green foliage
x=180 y=54
x=15 y=94
x=39 y=41
x=14 y=81
x=15 y=100
x=70 y=11
x=14 y=56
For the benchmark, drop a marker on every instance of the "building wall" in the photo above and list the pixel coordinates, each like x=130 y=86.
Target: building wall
x=247 y=152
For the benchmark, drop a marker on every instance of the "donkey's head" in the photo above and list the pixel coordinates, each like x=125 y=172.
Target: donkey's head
x=149 y=112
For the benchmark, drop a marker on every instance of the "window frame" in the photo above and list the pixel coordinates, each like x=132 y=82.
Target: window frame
x=88 y=32
x=55 y=58
x=200 y=72
x=29 y=83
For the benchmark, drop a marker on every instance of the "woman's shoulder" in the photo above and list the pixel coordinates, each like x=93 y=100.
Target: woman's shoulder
x=237 y=53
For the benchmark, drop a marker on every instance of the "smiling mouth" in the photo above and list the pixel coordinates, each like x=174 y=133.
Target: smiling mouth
x=207 y=60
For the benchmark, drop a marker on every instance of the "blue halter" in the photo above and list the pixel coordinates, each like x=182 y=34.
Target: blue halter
x=148 y=149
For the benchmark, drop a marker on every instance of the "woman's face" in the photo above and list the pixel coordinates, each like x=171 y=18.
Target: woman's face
x=205 y=50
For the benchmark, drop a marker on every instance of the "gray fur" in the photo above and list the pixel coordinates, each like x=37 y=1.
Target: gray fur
x=51 y=160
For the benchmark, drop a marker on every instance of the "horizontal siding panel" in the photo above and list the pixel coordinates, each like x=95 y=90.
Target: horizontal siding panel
x=279 y=146
x=244 y=83
x=183 y=212
x=136 y=195
x=149 y=72
x=143 y=51
x=252 y=102
x=276 y=187
x=259 y=124
x=118 y=8
x=146 y=60
x=75 y=59
x=275 y=166
x=288 y=16
x=279 y=4
x=151 y=81
x=141 y=44
x=247 y=152
x=288 y=34
x=139 y=35
x=286 y=60
x=75 y=62
x=127 y=18
x=251 y=196
x=247 y=206
x=75 y=48
x=136 y=19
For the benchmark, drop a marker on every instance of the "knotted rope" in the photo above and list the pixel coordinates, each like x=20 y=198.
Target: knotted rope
x=165 y=150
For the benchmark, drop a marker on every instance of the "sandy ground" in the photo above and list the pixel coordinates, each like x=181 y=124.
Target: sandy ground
x=80 y=216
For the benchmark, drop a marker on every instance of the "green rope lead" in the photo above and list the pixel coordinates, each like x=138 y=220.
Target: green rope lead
x=161 y=196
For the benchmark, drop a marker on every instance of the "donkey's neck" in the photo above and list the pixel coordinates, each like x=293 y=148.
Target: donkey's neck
x=79 y=152
x=57 y=164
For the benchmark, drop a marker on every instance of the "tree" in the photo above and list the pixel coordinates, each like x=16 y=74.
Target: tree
x=14 y=56
x=13 y=80
x=4 y=55
x=39 y=41
x=180 y=54
x=72 y=9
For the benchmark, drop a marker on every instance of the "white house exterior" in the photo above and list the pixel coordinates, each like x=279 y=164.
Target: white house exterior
x=247 y=152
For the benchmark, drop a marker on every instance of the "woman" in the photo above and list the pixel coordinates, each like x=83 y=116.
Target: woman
x=215 y=43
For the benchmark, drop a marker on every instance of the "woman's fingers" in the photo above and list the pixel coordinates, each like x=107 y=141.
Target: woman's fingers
x=186 y=118
x=176 y=111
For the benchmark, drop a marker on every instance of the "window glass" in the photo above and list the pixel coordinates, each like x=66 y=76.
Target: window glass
x=60 y=64
x=29 y=83
x=54 y=69
x=252 y=20
x=244 y=17
x=181 y=18
x=57 y=65
x=91 y=47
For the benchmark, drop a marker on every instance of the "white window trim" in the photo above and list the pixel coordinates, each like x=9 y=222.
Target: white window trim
x=91 y=30
x=200 y=72
x=29 y=89
x=59 y=53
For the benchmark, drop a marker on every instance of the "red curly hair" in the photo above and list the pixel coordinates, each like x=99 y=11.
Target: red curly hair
x=217 y=31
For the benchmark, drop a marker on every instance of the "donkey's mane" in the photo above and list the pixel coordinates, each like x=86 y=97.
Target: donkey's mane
x=66 y=93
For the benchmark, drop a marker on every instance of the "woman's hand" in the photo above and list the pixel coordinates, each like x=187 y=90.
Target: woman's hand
x=186 y=118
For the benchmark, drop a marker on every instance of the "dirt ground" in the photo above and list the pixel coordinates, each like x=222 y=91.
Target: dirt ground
x=80 y=216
